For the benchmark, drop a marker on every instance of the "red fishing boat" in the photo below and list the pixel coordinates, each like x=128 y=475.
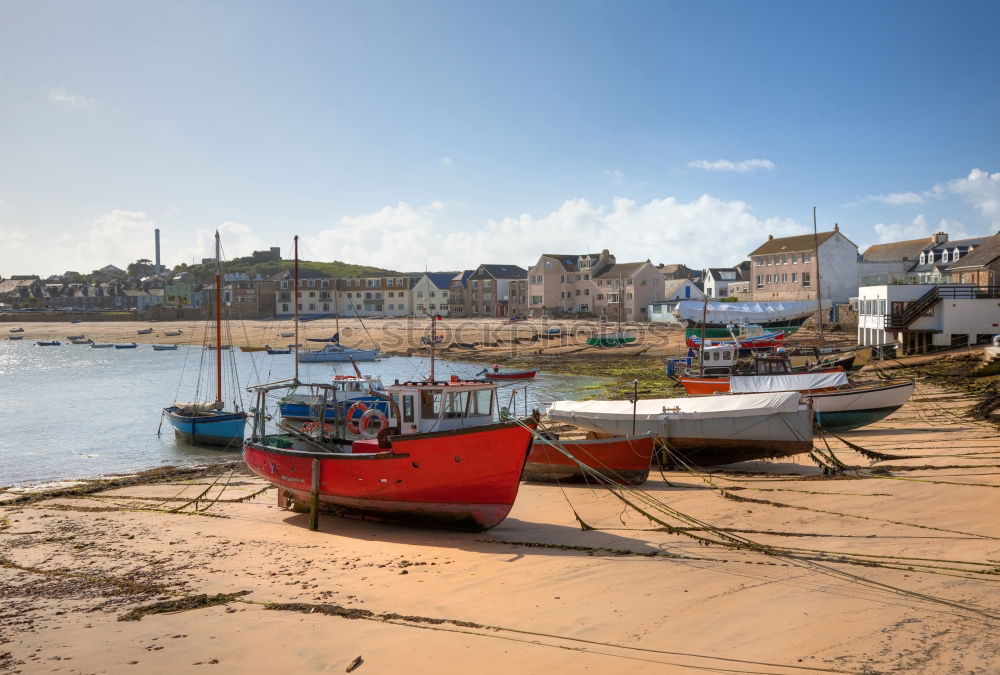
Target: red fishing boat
x=497 y=374
x=438 y=459
x=624 y=460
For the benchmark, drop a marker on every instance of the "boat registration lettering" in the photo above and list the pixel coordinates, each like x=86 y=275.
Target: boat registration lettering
x=290 y=479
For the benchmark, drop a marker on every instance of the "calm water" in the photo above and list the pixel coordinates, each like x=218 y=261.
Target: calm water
x=73 y=412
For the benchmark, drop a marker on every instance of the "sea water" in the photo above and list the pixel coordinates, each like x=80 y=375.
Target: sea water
x=75 y=412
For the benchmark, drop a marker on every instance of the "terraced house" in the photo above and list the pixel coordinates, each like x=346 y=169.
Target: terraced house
x=497 y=291
x=374 y=296
x=785 y=268
x=593 y=284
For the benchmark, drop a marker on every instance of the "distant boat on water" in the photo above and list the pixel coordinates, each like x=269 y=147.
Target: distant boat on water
x=335 y=353
x=48 y=343
x=164 y=348
x=101 y=345
x=126 y=345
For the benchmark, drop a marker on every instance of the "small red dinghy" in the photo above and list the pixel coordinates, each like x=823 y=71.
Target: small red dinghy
x=496 y=374
x=623 y=460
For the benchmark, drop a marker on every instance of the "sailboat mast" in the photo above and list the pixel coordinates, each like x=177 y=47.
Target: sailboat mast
x=704 y=318
x=218 y=319
x=295 y=303
x=819 y=286
x=621 y=301
x=432 y=348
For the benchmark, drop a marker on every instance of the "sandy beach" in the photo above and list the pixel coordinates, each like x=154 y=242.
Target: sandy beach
x=460 y=338
x=888 y=565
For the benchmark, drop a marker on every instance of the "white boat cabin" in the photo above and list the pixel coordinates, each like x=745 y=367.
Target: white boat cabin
x=441 y=406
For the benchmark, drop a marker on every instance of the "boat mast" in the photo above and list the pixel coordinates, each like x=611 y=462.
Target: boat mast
x=432 y=347
x=621 y=301
x=704 y=315
x=218 y=320
x=819 y=287
x=295 y=303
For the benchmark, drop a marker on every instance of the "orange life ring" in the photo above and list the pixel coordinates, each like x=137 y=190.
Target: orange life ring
x=368 y=418
x=352 y=425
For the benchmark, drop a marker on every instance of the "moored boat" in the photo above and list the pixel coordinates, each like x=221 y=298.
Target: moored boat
x=497 y=374
x=144 y=331
x=618 y=339
x=254 y=349
x=208 y=422
x=439 y=461
x=15 y=337
x=82 y=341
x=48 y=343
x=16 y=330
x=709 y=429
x=860 y=405
x=623 y=461
x=125 y=345
x=164 y=348
x=173 y=333
x=101 y=345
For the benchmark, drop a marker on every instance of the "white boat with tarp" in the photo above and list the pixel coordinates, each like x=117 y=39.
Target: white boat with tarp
x=707 y=430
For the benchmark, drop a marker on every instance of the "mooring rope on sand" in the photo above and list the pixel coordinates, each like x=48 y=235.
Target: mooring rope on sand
x=646 y=505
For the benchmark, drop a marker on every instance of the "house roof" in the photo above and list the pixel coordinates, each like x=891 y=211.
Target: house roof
x=957 y=243
x=463 y=277
x=439 y=280
x=983 y=255
x=800 y=242
x=571 y=261
x=504 y=271
x=619 y=269
x=897 y=250
x=671 y=286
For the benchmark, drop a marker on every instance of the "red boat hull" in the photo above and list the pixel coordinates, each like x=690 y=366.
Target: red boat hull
x=706 y=386
x=465 y=479
x=625 y=461
x=524 y=375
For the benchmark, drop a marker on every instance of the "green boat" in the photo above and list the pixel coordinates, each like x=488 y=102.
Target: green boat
x=715 y=332
x=611 y=340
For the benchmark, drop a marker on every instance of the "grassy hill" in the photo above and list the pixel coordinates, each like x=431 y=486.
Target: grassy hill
x=262 y=262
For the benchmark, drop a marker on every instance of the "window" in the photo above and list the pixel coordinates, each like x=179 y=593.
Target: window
x=784 y=259
x=944 y=256
x=284 y=307
x=628 y=282
x=536 y=299
x=805 y=278
x=760 y=284
x=795 y=277
x=578 y=291
x=784 y=277
x=586 y=291
x=767 y=279
x=481 y=402
x=628 y=296
x=443 y=308
x=795 y=258
x=392 y=306
x=806 y=256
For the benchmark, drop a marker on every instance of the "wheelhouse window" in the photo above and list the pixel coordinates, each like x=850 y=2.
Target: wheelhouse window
x=481 y=403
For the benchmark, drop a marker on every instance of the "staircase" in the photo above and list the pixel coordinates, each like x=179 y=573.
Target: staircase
x=916 y=309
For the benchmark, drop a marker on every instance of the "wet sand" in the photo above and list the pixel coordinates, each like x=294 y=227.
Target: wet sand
x=888 y=566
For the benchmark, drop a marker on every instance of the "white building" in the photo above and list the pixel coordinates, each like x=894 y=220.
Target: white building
x=917 y=317
x=430 y=293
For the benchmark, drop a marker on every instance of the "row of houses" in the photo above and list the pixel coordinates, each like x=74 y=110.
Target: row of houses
x=558 y=285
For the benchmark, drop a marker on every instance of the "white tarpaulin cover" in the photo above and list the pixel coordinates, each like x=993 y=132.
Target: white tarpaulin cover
x=749 y=384
x=744 y=312
x=702 y=407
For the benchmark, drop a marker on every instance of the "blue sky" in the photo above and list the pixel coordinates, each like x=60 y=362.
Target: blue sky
x=447 y=134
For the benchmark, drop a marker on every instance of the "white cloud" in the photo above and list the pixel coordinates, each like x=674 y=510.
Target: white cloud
x=744 y=166
x=237 y=239
x=918 y=228
x=703 y=232
x=60 y=96
x=447 y=161
x=896 y=198
x=982 y=190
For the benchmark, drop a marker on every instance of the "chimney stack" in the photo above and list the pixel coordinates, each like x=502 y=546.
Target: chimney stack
x=157 y=235
x=940 y=238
